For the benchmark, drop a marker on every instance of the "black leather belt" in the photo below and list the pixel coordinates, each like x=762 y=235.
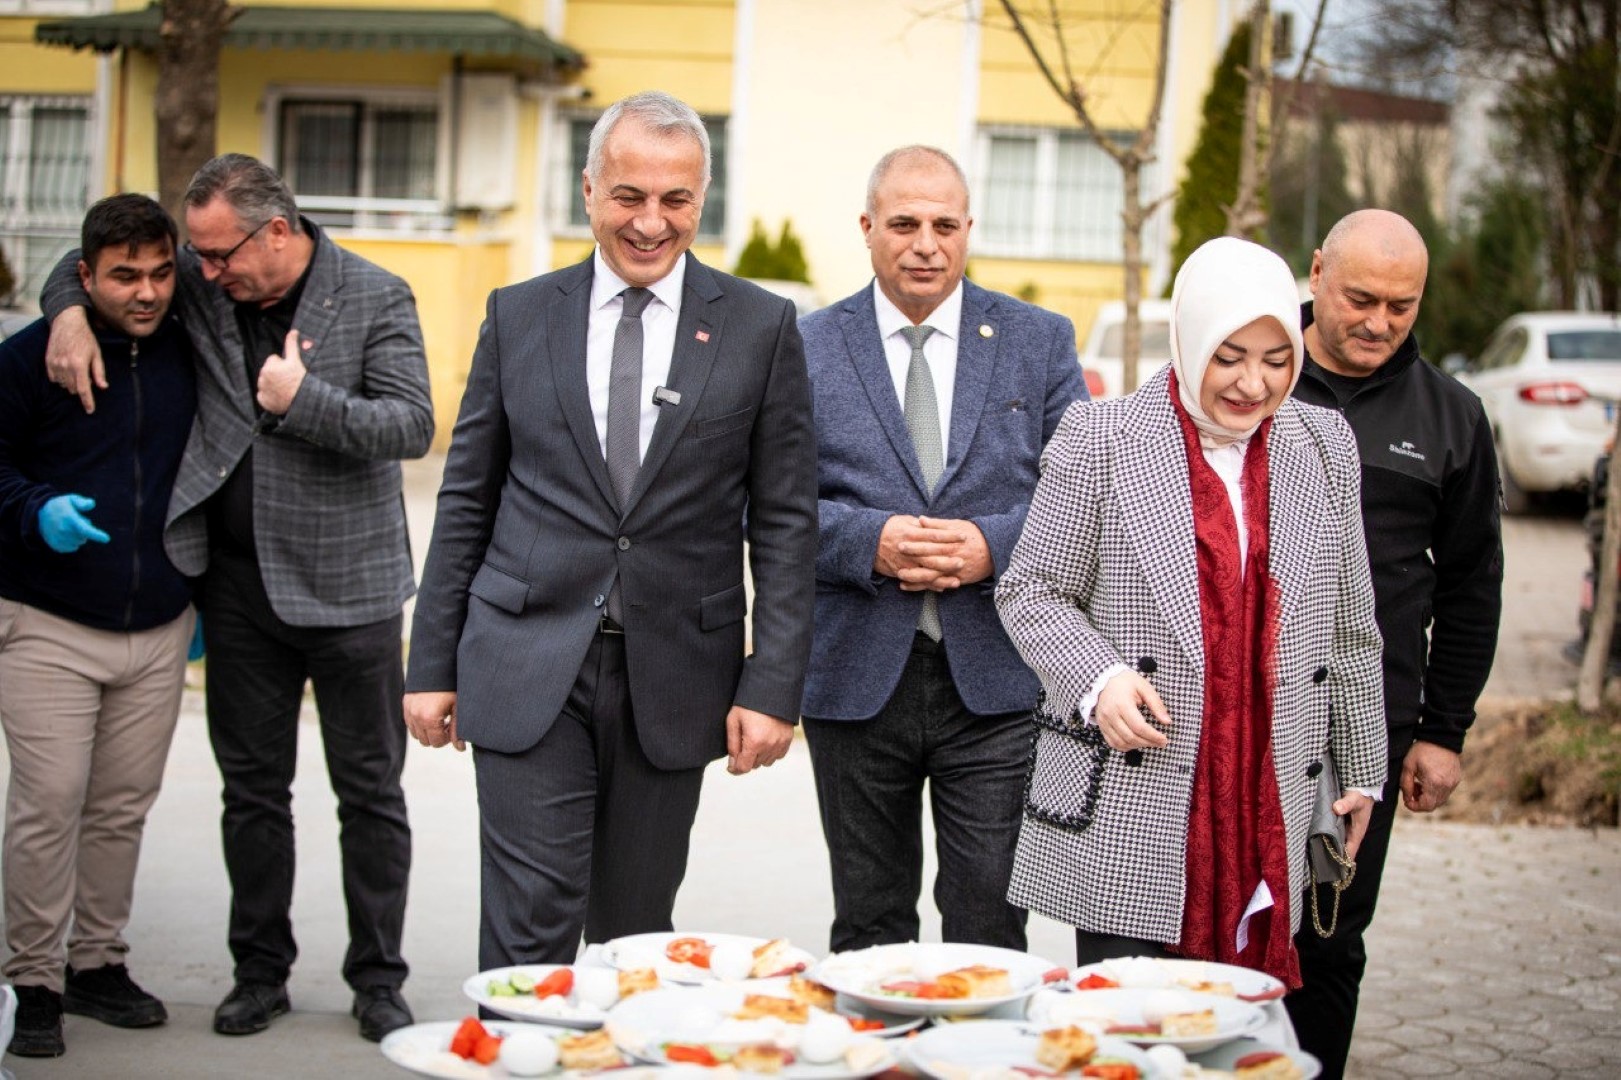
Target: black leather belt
x=606 y=625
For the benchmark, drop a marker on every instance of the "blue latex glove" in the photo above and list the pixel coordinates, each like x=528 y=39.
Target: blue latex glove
x=63 y=525
x=196 y=650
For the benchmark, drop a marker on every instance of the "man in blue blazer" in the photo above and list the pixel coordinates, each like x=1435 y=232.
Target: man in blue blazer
x=933 y=399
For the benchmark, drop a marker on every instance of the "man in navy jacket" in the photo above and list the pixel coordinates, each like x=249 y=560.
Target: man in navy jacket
x=933 y=400
x=94 y=627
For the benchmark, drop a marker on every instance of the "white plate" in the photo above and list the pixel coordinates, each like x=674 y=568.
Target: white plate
x=425 y=1049
x=643 y=1023
x=647 y=950
x=569 y=1011
x=1098 y=1009
x=859 y=974
x=955 y=1051
x=1149 y=973
x=1224 y=1057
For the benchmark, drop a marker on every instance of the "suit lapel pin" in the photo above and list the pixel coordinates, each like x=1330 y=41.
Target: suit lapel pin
x=985 y=330
x=702 y=335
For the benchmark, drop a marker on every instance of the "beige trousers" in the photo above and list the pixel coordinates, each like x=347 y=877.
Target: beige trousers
x=88 y=717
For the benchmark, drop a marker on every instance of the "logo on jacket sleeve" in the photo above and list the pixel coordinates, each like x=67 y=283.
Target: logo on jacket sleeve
x=1407 y=449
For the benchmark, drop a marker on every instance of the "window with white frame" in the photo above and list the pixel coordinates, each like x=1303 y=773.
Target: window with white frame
x=1047 y=193
x=572 y=217
x=362 y=159
x=45 y=166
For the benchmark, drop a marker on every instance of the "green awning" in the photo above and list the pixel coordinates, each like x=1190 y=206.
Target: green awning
x=464 y=33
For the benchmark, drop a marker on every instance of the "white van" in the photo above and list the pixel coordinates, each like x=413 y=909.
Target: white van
x=1100 y=356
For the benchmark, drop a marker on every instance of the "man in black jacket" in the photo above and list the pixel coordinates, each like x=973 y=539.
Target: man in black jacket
x=1430 y=509
x=94 y=627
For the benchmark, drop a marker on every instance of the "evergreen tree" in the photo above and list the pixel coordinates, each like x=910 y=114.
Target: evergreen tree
x=8 y=280
x=1211 y=183
x=791 y=264
x=758 y=257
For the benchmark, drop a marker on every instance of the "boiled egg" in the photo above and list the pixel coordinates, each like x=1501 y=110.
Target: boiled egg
x=826 y=1037
x=1169 y=1062
x=528 y=1053
x=1159 y=1004
x=597 y=987
x=731 y=961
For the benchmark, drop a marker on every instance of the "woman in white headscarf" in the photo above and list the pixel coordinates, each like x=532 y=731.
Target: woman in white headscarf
x=1192 y=589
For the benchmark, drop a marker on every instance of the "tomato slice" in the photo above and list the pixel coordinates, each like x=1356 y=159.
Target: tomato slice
x=1095 y=981
x=1052 y=975
x=689 y=950
x=467 y=1037
x=1260 y=1057
x=932 y=991
x=487 y=1050
x=1112 y=1070
x=862 y=1023
x=909 y=987
x=690 y=1054
x=557 y=984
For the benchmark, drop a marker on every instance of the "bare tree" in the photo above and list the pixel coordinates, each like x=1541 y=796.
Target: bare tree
x=1132 y=157
x=187 y=104
x=1600 y=630
x=1247 y=217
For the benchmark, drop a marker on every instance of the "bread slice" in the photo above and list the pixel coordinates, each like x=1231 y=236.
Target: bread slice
x=773 y=958
x=1266 y=1065
x=761 y=1058
x=1065 y=1048
x=636 y=980
x=756 y=1006
x=592 y=1050
x=811 y=992
x=1189 y=1024
x=976 y=981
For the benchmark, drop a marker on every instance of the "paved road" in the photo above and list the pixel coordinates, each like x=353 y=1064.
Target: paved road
x=1496 y=952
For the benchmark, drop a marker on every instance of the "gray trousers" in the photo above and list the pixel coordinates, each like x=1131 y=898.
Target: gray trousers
x=870 y=776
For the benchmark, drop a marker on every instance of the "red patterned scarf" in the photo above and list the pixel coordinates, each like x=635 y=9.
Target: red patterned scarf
x=1235 y=821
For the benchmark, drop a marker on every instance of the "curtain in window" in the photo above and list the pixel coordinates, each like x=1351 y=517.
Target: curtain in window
x=59 y=164
x=1086 y=202
x=1008 y=219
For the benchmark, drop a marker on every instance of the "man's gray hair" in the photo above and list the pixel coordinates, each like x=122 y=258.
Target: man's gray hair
x=906 y=155
x=250 y=187
x=655 y=110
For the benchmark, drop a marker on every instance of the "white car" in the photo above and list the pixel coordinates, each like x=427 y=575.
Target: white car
x=1100 y=356
x=1550 y=381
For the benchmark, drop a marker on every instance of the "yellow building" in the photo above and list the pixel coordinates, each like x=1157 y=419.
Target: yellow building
x=444 y=140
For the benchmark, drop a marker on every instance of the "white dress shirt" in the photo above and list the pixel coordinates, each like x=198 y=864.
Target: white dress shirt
x=658 y=343
x=940 y=350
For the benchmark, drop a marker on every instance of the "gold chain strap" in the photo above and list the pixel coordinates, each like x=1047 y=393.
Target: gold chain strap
x=1340 y=886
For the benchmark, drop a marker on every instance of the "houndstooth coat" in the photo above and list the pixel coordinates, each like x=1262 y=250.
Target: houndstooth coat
x=1105 y=573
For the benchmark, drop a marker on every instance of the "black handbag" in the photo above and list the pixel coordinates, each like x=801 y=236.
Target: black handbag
x=1326 y=860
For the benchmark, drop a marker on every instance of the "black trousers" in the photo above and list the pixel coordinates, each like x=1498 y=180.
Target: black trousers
x=1324 y=1008
x=257 y=667
x=869 y=783
x=580 y=832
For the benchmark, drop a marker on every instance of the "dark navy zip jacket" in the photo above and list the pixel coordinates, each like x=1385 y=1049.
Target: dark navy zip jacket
x=124 y=455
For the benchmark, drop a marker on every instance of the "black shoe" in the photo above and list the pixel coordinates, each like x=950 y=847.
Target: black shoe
x=380 y=1010
x=249 y=1008
x=108 y=994
x=39 y=1023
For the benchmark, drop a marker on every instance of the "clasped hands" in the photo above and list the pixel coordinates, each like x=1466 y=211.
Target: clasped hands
x=74 y=362
x=932 y=554
x=754 y=740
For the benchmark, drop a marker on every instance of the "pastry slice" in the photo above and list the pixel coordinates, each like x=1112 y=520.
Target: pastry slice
x=761 y=1058
x=811 y=992
x=1061 y=1049
x=591 y=1050
x=773 y=958
x=636 y=980
x=976 y=981
x=758 y=1006
x=1189 y=1024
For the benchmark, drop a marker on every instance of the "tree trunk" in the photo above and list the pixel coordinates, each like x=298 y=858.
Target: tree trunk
x=187 y=101
x=1245 y=218
x=1131 y=260
x=1596 y=657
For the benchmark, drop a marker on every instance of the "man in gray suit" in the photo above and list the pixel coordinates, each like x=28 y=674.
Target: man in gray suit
x=628 y=423
x=312 y=384
x=934 y=398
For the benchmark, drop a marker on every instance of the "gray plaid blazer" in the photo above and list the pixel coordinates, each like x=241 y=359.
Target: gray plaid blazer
x=328 y=503
x=1104 y=573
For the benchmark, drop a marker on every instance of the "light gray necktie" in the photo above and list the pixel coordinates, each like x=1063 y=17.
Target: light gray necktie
x=922 y=411
x=624 y=450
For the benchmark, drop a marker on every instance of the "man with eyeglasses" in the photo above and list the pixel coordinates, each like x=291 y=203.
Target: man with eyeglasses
x=312 y=384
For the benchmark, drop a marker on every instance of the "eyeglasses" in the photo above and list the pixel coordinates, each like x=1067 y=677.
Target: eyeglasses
x=221 y=260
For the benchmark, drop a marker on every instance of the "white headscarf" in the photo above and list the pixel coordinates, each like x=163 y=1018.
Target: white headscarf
x=1225 y=285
